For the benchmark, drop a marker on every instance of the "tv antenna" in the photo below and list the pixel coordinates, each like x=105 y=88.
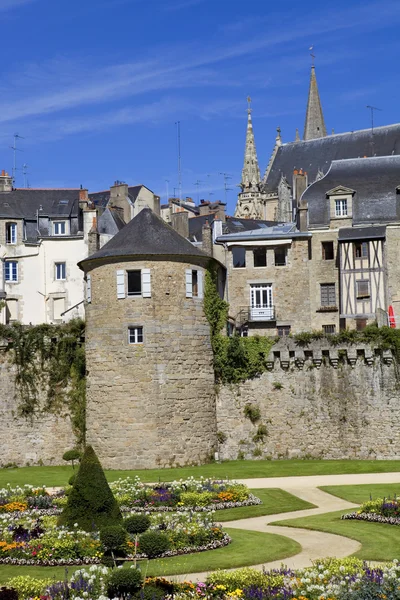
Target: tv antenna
x=372 y=109
x=178 y=139
x=167 y=188
x=25 y=174
x=15 y=149
x=198 y=184
x=226 y=177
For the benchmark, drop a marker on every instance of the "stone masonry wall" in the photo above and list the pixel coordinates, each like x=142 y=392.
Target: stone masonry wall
x=150 y=404
x=42 y=439
x=318 y=402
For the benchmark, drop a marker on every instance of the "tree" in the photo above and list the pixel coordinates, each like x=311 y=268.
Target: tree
x=91 y=503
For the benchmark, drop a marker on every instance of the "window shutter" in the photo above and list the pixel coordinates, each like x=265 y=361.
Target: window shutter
x=88 y=289
x=120 y=283
x=146 y=283
x=200 y=284
x=189 y=290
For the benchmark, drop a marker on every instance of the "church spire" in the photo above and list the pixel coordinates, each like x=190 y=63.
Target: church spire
x=251 y=172
x=315 y=125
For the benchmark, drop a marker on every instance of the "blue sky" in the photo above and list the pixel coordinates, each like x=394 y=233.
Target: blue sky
x=95 y=86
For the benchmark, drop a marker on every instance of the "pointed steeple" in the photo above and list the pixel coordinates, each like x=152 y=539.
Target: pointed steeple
x=251 y=172
x=315 y=125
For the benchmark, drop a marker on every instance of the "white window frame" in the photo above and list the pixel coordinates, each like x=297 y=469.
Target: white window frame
x=12 y=270
x=135 y=332
x=63 y=267
x=61 y=225
x=122 y=283
x=341 y=207
x=13 y=233
x=259 y=308
x=189 y=283
x=88 y=289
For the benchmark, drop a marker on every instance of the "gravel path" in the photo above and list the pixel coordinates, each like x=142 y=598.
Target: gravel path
x=315 y=544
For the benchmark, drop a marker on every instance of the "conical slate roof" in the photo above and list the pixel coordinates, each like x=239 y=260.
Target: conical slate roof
x=315 y=125
x=146 y=234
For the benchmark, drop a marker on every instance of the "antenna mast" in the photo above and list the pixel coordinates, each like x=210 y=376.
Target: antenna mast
x=14 y=149
x=166 y=183
x=372 y=108
x=178 y=133
x=226 y=177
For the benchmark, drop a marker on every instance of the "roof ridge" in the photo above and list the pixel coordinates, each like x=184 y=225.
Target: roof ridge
x=355 y=131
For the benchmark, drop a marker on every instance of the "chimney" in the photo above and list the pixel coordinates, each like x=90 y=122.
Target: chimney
x=299 y=184
x=93 y=238
x=180 y=222
x=204 y=207
x=83 y=199
x=207 y=244
x=5 y=182
x=217 y=228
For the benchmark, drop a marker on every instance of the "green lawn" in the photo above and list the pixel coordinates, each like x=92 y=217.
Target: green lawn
x=361 y=493
x=239 y=469
x=247 y=548
x=273 y=501
x=379 y=541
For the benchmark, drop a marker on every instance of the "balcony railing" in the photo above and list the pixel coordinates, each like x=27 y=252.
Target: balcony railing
x=266 y=313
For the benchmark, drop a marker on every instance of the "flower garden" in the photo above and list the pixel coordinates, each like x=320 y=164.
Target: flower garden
x=381 y=510
x=329 y=579
x=149 y=521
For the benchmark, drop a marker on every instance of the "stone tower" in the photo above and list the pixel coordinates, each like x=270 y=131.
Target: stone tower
x=150 y=383
x=250 y=199
x=314 y=126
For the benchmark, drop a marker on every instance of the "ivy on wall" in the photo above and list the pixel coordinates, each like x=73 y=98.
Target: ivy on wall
x=236 y=358
x=50 y=368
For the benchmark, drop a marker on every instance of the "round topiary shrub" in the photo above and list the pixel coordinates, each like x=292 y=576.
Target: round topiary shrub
x=123 y=582
x=154 y=543
x=137 y=524
x=113 y=537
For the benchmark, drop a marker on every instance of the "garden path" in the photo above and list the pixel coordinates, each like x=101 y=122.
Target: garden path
x=315 y=544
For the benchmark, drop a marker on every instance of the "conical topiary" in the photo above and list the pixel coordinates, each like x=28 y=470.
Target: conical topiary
x=91 y=503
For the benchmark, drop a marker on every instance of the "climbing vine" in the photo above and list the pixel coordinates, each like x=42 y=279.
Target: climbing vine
x=236 y=358
x=50 y=369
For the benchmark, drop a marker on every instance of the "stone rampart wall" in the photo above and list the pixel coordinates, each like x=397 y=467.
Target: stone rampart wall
x=317 y=401
x=25 y=441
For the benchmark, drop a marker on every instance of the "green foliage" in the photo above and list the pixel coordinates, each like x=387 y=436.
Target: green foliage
x=261 y=433
x=252 y=412
x=215 y=308
x=123 y=582
x=113 y=537
x=138 y=523
x=196 y=498
x=72 y=455
x=277 y=385
x=154 y=543
x=221 y=437
x=29 y=587
x=151 y=592
x=90 y=503
x=52 y=358
x=71 y=480
x=245 y=578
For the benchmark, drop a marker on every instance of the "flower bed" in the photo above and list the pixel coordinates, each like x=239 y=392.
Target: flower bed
x=381 y=510
x=371 y=518
x=333 y=579
x=26 y=539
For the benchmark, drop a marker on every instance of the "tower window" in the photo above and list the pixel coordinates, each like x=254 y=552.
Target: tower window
x=135 y=335
x=134 y=283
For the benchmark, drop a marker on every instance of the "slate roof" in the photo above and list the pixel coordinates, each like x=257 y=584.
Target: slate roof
x=374 y=180
x=362 y=233
x=231 y=225
x=146 y=234
x=110 y=221
x=317 y=154
x=23 y=203
x=282 y=231
x=101 y=199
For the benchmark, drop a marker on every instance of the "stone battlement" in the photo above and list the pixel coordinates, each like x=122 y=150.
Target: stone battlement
x=288 y=354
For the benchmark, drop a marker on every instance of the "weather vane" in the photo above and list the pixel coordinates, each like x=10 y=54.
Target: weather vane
x=311 y=48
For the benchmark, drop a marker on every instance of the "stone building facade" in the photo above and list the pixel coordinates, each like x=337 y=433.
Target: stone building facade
x=150 y=390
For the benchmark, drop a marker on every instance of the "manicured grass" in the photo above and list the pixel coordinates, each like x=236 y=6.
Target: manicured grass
x=361 y=493
x=273 y=501
x=379 y=541
x=247 y=548
x=235 y=469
